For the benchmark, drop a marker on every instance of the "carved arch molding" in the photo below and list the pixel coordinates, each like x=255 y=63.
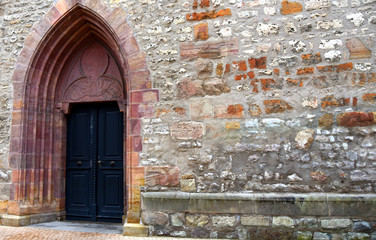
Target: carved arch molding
x=78 y=52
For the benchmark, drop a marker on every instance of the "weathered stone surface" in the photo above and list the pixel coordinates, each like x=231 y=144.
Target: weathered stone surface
x=197 y=220
x=304 y=236
x=187 y=130
x=354 y=119
x=357 y=49
x=304 y=139
x=204 y=67
x=307 y=223
x=320 y=236
x=188 y=185
x=177 y=219
x=201 y=31
x=154 y=218
x=362 y=226
x=290 y=7
x=209 y=50
x=188 y=88
x=258 y=221
x=163 y=176
x=326 y=120
x=223 y=221
x=276 y=106
x=335 y=223
x=358 y=236
x=215 y=86
x=283 y=222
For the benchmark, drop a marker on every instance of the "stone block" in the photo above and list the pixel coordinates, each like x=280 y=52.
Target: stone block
x=304 y=236
x=304 y=139
x=188 y=185
x=355 y=119
x=154 y=218
x=15 y=221
x=276 y=106
x=229 y=111
x=290 y=7
x=320 y=236
x=198 y=220
x=187 y=130
x=307 y=223
x=362 y=226
x=283 y=222
x=177 y=219
x=357 y=49
x=257 y=221
x=162 y=176
x=201 y=109
x=135 y=230
x=352 y=205
x=223 y=221
x=217 y=49
x=201 y=31
x=358 y=236
x=335 y=223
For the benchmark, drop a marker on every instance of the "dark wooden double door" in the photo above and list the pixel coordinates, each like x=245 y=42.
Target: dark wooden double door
x=94 y=189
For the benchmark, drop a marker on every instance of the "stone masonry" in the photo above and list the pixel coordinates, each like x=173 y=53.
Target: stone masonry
x=249 y=97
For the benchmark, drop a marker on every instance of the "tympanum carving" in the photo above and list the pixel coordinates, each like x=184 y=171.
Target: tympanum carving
x=93 y=77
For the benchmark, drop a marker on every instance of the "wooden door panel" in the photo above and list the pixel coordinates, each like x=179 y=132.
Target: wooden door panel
x=95 y=163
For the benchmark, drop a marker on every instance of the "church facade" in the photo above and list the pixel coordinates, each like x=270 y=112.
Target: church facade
x=239 y=119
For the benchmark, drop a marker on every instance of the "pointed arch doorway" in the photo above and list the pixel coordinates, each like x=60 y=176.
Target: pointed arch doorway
x=94 y=165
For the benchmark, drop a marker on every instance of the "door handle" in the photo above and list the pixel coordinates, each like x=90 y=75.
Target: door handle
x=112 y=163
x=99 y=163
x=79 y=163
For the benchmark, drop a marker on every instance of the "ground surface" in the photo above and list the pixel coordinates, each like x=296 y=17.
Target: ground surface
x=68 y=231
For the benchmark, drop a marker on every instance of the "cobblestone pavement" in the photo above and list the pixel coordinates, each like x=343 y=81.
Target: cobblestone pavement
x=27 y=233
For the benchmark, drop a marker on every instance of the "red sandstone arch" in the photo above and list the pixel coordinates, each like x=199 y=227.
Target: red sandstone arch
x=38 y=134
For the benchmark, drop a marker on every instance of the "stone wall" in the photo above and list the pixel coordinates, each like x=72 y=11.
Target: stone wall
x=16 y=20
x=258 y=95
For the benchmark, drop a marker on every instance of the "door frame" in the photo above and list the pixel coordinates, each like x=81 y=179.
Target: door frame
x=38 y=128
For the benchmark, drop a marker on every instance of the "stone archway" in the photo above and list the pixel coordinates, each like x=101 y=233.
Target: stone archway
x=38 y=132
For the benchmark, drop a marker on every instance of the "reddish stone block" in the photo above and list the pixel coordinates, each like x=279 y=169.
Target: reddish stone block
x=259 y=63
x=136 y=177
x=215 y=86
x=355 y=119
x=201 y=31
x=61 y=6
x=219 y=69
x=187 y=130
x=291 y=7
x=355 y=101
x=179 y=110
x=136 y=143
x=311 y=58
x=205 y=3
x=267 y=84
x=276 y=72
x=208 y=15
x=195 y=4
x=130 y=44
x=135 y=126
x=240 y=77
x=228 y=68
x=137 y=62
x=161 y=111
x=140 y=80
x=276 y=106
x=294 y=82
x=136 y=97
x=336 y=68
x=209 y=49
x=369 y=97
x=230 y=111
x=251 y=74
x=332 y=101
x=254 y=83
x=132 y=159
x=303 y=71
x=188 y=88
x=357 y=49
x=162 y=176
x=254 y=109
x=150 y=96
x=241 y=65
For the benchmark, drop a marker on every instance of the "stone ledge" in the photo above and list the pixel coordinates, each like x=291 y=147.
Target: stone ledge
x=295 y=204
